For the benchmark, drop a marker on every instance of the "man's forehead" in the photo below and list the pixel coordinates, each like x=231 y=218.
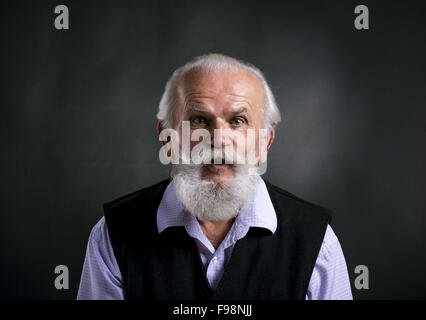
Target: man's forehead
x=230 y=83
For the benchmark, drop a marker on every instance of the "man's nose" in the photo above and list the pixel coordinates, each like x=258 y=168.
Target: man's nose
x=221 y=135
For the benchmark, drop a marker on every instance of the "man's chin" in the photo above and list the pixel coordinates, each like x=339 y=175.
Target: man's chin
x=213 y=196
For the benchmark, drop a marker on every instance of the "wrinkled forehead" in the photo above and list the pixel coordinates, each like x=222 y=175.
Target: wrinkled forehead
x=222 y=83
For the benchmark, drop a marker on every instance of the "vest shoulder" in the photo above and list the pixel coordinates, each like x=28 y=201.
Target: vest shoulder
x=139 y=197
x=291 y=203
x=134 y=214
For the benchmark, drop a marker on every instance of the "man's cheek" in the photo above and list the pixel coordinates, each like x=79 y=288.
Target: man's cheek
x=252 y=151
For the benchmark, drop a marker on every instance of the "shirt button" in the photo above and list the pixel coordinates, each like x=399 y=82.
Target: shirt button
x=214 y=259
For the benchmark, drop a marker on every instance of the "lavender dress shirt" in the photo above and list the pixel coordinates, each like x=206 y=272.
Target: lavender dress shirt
x=101 y=277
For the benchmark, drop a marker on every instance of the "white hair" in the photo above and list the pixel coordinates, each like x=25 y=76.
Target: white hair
x=213 y=61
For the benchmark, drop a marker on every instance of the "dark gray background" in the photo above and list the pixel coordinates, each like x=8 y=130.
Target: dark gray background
x=78 y=122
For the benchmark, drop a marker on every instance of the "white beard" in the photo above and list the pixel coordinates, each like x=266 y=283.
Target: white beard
x=210 y=201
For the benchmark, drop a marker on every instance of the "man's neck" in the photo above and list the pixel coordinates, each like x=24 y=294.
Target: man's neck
x=216 y=231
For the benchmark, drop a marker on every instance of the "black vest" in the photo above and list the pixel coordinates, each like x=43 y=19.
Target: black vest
x=168 y=265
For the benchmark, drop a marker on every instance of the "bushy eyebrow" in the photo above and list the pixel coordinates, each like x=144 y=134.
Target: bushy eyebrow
x=241 y=110
x=195 y=108
x=201 y=109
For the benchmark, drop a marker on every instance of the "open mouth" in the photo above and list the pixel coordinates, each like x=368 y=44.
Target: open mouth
x=218 y=161
x=218 y=165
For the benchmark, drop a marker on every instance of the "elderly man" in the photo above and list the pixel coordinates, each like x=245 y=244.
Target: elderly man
x=215 y=229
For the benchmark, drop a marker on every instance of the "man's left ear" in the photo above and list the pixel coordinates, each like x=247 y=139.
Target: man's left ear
x=269 y=139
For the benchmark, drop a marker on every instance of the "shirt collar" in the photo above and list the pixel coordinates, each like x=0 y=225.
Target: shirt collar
x=259 y=213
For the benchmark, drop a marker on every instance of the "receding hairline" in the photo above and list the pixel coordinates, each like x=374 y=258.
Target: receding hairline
x=215 y=62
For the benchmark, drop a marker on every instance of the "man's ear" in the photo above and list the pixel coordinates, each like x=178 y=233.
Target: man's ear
x=159 y=129
x=159 y=126
x=269 y=139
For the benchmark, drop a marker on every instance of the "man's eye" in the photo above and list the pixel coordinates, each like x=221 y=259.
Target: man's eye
x=198 y=121
x=237 y=121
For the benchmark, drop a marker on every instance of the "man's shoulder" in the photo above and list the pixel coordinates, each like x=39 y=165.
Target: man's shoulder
x=287 y=203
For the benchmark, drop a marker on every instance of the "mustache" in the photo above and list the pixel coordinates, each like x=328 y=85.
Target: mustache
x=210 y=155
